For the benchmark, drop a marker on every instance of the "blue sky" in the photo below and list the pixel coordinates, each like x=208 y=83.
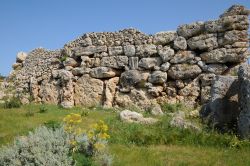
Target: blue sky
x=27 y=24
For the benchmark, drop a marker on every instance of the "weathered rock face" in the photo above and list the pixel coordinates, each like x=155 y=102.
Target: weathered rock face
x=244 y=101
x=129 y=67
x=88 y=91
x=223 y=108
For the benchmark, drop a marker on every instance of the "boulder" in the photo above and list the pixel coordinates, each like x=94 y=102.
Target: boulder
x=183 y=57
x=190 y=30
x=223 y=109
x=88 y=91
x=233 y=36
x=129 y=50
x=115 y=50
x=184 y=71
x=180 y=43
x=134 y=117
x=164 y=37
x=165 y=66
x=179 y=120
x=102 y=72
x=244 y=101
x=146 y=50
x=155 y=91
x=131 y=78
x=166 y=53
x=117 y=62
x=133 y=63
x=205 y=94
x=16 y=66
x=21 y=56
x=89 y=50
x=70 y=62
x=110 y=89
x=158 y=77
x=156 y=110
x=236 y=10
x=203 y=42
x=150 y=63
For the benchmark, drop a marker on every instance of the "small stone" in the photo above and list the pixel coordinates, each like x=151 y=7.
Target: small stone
x=149 y=63
x=165 y=66
x=21 y=56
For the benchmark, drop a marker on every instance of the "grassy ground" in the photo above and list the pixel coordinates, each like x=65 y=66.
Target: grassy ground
x=134 y=144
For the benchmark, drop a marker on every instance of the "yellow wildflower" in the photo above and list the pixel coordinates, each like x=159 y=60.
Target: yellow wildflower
x=99 y=146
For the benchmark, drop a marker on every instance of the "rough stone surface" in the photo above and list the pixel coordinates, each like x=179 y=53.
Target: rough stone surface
x=134 y=117
x=180 y=43
x=223 y=108
x=244 y=101
x=110 y=88
x=21 y=56
x=184 y=71
x=102 y=72
x=88 y=91
x=166 y=67
x=158 y=77
x=149 y=63
x=164 y=37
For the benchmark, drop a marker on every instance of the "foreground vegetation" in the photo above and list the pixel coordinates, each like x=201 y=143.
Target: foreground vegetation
x=133 y=144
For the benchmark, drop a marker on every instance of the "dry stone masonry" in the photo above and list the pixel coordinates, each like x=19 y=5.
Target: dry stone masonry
x=128 y=67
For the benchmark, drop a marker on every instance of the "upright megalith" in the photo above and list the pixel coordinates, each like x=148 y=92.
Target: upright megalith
x=222 y=110
x=244 y=101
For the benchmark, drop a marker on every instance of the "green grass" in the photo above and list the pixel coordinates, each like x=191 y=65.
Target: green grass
x=134 y=144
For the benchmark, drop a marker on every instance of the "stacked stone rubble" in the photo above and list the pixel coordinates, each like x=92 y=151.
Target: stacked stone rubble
x=131 y=68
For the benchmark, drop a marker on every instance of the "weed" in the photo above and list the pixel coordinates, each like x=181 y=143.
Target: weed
x=13 y=102
x=43 y=109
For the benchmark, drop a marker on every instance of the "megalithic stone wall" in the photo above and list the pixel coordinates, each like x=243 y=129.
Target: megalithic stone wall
x=129 y=67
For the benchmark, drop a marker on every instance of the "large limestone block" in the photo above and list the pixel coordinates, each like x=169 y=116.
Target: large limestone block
x=183 y=57
x=89 y=50
x=146 y=50
x=166 y=53
x=110 y=89
x=133 y=63
x=180 y=43
x=223 y=107
x=164 y=37
x=115 y=50
x=244 y=101
x=102 y=72
x=190 y=30
x=132 y=78
x=203 y=42
x=158 y=77
x=117 y=62
x=236 y=10
x=49 y=91
x=129 y=50
x=233 y=36
x=150 y=63
x=135 y=117
x=222 y=55
x=184 y=71
x=70 y=62
x=88 y=91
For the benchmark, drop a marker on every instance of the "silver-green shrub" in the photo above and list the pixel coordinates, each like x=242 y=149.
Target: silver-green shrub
x=43 y=147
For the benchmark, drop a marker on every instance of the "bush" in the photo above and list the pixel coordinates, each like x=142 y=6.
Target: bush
x=43 y=109
x=53 y=124
x=92 y=144
x=42 y=147
x=13 y=102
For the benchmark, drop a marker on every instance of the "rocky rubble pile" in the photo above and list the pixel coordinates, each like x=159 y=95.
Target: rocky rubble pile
x=131 y=68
